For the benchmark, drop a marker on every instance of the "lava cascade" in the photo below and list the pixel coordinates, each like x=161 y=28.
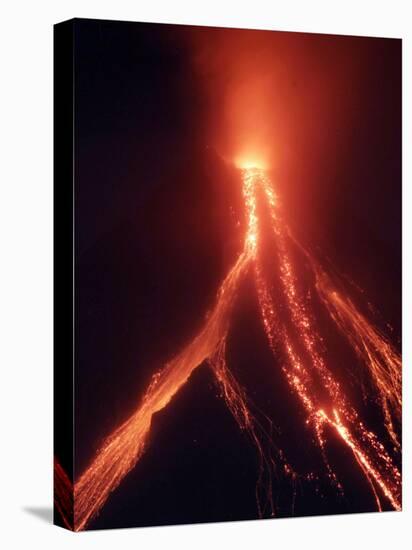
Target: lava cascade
x=328 y=410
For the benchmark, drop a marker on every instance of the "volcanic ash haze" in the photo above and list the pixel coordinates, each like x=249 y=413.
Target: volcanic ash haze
x=277 y=97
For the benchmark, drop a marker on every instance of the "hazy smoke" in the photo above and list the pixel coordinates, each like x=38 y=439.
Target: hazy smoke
x=274 y=96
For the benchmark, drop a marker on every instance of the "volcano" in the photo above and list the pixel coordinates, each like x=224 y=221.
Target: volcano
x=230 y=361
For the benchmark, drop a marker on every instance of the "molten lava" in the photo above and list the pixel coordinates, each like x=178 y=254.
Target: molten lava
x=63 y=494
x=298 y=354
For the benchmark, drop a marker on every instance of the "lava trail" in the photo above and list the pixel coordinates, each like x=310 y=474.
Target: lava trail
x=375 y=352
x=122 y=449
x=259 y=429
x=63 y=494
x=297 y=349
x=306 y=371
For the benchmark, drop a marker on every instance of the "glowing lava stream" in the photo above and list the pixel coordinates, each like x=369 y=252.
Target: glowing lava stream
x=312 y=378
x=307 y=375
x=373 y=349
x=124 y=447
x=63 y=494
x=121 y=450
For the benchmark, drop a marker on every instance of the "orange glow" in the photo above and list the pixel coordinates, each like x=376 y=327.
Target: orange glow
x=248 y=161
x=374 y=351
x=122 y=450
x=310 y=378
x=63 y=494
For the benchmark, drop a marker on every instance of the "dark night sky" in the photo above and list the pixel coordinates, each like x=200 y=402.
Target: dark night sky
x=155 y=236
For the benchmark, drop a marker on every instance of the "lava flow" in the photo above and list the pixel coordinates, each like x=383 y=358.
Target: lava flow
x=296 y=345
x=313 y=381
x=373 y=349
x=63 y=494
x=124 y=447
